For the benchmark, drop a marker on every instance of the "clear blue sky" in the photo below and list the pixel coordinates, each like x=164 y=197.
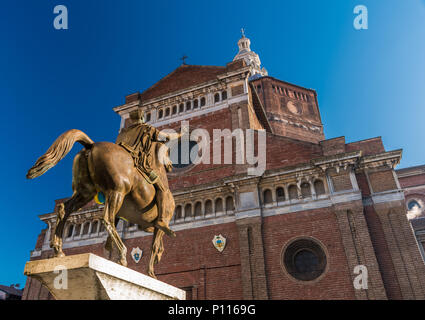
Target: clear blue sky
x=370 y=83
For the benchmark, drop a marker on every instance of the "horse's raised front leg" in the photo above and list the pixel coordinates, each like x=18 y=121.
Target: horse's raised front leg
x=113 y=204
x=64 y=210
x=157 y=249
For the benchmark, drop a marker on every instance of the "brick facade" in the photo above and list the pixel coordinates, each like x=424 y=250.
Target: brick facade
x=346 y=198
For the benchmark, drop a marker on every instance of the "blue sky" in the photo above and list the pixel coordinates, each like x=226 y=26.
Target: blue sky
x=370 y=83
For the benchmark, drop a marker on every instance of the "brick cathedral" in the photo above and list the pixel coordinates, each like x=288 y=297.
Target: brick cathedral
x=322 y=207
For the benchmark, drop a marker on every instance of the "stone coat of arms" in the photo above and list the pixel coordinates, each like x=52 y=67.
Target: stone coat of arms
x=219 y=242
x=136 y=254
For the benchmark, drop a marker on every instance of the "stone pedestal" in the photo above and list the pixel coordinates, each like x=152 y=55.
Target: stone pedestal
x=89 y=277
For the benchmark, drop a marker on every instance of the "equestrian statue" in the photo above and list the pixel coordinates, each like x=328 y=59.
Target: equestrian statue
x=129 y=175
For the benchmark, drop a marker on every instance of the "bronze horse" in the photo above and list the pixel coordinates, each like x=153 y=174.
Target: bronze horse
x=108 y=168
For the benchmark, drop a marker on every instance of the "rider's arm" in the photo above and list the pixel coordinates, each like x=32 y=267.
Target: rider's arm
x=162 y=136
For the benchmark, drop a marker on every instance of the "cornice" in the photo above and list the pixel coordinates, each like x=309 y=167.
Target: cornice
x=187 y=91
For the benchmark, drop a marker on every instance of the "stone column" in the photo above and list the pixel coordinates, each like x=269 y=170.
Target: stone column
x=254 y=281
x=404 y=251
x=359 y=249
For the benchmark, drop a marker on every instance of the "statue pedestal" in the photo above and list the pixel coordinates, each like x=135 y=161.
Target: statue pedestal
x=89 y=277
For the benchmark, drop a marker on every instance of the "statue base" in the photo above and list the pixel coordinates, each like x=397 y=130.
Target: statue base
x=89 y=277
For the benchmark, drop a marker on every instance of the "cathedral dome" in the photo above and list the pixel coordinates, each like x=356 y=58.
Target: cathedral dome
x=251 y=58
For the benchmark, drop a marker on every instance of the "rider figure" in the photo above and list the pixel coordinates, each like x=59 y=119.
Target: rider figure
x=137 y=139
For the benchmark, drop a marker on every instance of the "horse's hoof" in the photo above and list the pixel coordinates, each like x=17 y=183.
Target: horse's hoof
x=59 y=254
x=172 y=234
x=165 y=229
x=152 y=275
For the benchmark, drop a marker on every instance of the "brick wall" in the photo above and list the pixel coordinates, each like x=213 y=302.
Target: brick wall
x=333 y=146
x=382 y=181
x=320 y=224
x=412 y=181
x=281 y=119
x=341 y=181
x=369 y=146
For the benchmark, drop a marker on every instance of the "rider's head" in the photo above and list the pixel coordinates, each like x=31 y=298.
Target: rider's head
x=137 y=116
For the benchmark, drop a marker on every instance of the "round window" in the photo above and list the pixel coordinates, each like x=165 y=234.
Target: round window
x=304 y=259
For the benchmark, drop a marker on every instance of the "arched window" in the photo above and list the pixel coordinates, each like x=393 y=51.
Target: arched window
x=94 y=226
x=174 y=110
x=267 y=196
x=413 y=204
x=167 y=112
x=102 y=227
x=70 y=231
x=219 y=205
x=224 y=95
x=208 y=207
x=148 y=117
x=86 y=228
x=229 y=204
x=77 y=230
x=198 y=209
x=280 y=194
x=319 y=187
x=160 y=114
x=305 y=190
x=178 y=212
x=188 y=105
x=293 y=193
x=188 y=210
x=195 y=103
x=414 y=209
x=181 y=107
x=216 y=97
x=203 y=101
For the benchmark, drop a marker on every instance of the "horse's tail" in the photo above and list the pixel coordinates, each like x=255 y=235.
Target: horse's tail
x=58 y=150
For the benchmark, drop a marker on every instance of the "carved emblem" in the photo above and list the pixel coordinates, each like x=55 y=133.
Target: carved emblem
x=136 y=254
x=219 y=242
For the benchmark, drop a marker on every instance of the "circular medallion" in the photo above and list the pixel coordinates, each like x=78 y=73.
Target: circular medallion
x=293 y=108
